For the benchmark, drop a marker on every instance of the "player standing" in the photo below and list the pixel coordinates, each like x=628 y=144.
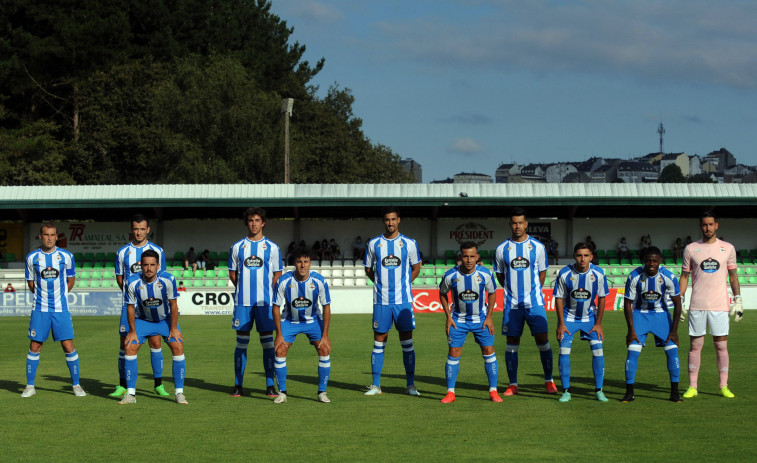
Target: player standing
x=473 y=300
x=520 y=263
x=650 y=291
x=50 y=274
x=577 y=288
x=128 y=263
x=152 y=312
x=254 y=267
x=710 y=261
x=392 y=261
x=301 y=293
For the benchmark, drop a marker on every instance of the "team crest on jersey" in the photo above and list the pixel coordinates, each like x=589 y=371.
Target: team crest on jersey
x=529 y=246
x=592 y=278
x=722 y=249
x=122 y=329
x=312 y=285
x=401 y=244
x=264 y=246
x=478 y=279
x=375 y=324
x=32 y=333
x=49 y=273
x=236 y=323
x=160 y=285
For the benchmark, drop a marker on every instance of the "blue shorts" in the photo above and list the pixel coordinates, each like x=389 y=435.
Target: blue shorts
x=657 y=323
x=146 y=329
x=245 y=317
x=401 y=314
x=457 y=335
x=514 y=319
x=313 y=331
x=584 y=328
x=41 y=323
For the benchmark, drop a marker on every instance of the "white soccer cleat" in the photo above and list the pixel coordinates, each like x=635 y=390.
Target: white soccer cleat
x=79 y=391
x=180 y=399
x=29 y=391
x=322 y=397
x=128 y=399
x=280 y=399
x=412 y=390
x=373 y=390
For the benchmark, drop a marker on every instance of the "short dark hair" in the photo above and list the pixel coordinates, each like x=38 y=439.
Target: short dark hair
x=140 y=218
x=150 y=253
x=517 y=212
x=251 y=211
x=300 y=251
x=581 y=245
x=651 y=251
x=708 y=214
x=468 y=245
x=389 y=209
x=47 y=224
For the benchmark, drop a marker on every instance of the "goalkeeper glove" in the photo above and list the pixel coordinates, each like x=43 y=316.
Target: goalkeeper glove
x=736 y=308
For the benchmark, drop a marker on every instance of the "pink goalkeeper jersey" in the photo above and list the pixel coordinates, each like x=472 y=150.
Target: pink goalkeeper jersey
x=709 y=265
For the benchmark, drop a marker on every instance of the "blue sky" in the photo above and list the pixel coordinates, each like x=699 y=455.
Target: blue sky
x=465 y=85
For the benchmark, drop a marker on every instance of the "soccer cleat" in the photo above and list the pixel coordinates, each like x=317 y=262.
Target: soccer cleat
x=725 y=392
x=373 y=390
x=565 y=397
x=412 y=390
x=550 y=386
x=280 y=398
x=494 y=396
x=511 y=390
x=29 y=391
x=449 y=398
x=79 y=391
x=270 y=391
x=161 y=391
x=237 y=391
x=128 y=399
x=690 y=393
x=627 y=398
x=119 y=392
x=600 y=395
x=676 y=397
x=322 y=397
x=180 y=399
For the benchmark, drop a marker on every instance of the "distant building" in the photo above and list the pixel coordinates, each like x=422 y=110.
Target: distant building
x=532 y=173
x=695 y=165
x=739 y=174
x=505 y=171
x=606 y=173
x=466 y=177
x=679 y=159
x=637 y=172
x=650 y=158
x=414 y=168
x=722 y=159
x=446 y=180
x=577 y=177
x=555 y=173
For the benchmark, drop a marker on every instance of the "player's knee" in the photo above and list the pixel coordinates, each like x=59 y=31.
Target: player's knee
x=323 y=350
x=281 y=351
x=132 y=349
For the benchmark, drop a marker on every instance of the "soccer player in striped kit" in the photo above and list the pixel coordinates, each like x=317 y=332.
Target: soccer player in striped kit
x=128 y=262
x=304 y=296
x=520 y=264
x=580 y=292
x=473 y=298
x=650 y=292
x=152 y=312
x=392 y=261
x=254 y=267
x=50 y=274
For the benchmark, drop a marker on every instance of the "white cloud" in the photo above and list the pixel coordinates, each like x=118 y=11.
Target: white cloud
x=314 y=11
x=466 y=146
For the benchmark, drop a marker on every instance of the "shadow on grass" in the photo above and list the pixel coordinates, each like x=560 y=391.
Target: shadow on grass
x=12 y=386
x=92 y=387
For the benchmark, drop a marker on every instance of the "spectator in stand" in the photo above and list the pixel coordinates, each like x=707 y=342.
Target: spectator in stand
x=325 y=254
x=181 y=287
x=623 y=251
x=593 y=247
x=688 y=240
x=190 y=259
x=358 y=248
x=289 y=258
x=678 y=249
x=204 y=261
x=317 y=251
x=552 y=249
x=646 y=241
x=334 y=250
x=10 y=288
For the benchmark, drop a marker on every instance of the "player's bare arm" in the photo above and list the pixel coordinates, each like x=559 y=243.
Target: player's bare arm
x=276 y=276
x=71 y=281
x=174 y=330
x=131 y=336
x=279 y=339
x=370 y=274
x=30 y=283
x=734 y=279
x=416 y=270
x=542 y=277
x=598 y=321
x=561 y=328
x=677 y=308
x=445 y=306
x=233 y=277
x=501 y=279
x=683 y=282
x=628 y=313
x=324 y=345
x=120 y=282
x=489 y=322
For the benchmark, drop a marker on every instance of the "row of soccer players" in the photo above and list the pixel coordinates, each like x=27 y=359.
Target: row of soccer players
x=392 y=262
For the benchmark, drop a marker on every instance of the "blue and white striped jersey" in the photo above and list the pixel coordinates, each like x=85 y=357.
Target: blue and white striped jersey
x=579 y=292
x=255 y=263
x=151 y=300
x=521 y=263
x=392 y=262
x=129 y=257
x=469 y=293
x=50 y=273
x=301 y=300
x=652 y=293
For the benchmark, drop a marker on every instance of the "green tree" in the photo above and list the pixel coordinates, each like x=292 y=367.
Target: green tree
x=671 y=174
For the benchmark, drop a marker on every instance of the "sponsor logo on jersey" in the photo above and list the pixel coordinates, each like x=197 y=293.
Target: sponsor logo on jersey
x=253 y=262
x=580 y=294
x=651 y=296
x=709 y=265
x=519 y=263
x=49 y=273
x=152 y=302
x=468 y=296
x=135 y=268
x=301 y=303
x=391 y=261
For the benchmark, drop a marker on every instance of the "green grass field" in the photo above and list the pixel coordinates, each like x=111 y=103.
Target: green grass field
x=55 y=425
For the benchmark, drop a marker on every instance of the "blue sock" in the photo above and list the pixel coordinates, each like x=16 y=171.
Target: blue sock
x=240 y=359
x=451 y=369
x=179 y=371
x=632 y=362
x=545 y=352
x=132 y=370
x=674 y=365
x=121 y=367
x=32 y=362
x=156 y=360
x=377 y=362
x=492 y=370
x=563 y=363
x=511 y=363
x=324 y=370
x=408 y=358
x=598 y=363
x=266 y=342
x=280 y=367
x=72 y=360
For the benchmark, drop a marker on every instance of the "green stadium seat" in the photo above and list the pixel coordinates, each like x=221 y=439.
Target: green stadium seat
x=603 y=262
x=223 y=256
x=669 y=261
x=612 y=254
x=111 y=257
x=199 y=273
x=98 y=264
x=95 y=284
x=547 y=282
x=86 y=264
x=210 y=273
x=210 y=283
x=449 y=254
x=616 y=271
x=78 y=257
x=740 y=271
x=601 y=253
x=90 y=256
x=109 y=274
x=450 y=262
x=752 y=280
x=431 y=281
x=223 y=273
x=614 y=261
x=750 y=271
x=213 y=255
x=439 y=262
x=619 y=281
x=85 y=275
x=107 y=283
x=178 y=255
x=100 y=256
x=636 y=261
x=667 y=253
x=186 y=274
x=625 y=261
x=440 y=271
x=747 y=260
x=743 y=280
x=368 y=282
x=225 y=264
x=96 y=275
x=82 y=283
x=10 y=257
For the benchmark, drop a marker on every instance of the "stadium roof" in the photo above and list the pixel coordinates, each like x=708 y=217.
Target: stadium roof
x=363 y=200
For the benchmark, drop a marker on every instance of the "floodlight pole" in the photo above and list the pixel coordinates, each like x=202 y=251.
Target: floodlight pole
x=286 y=108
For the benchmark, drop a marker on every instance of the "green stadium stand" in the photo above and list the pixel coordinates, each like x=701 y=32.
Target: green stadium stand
x=450 y=262
x=750 y=271
x=449 y=254
x=82 y=283
x=752 y=280
x=223 y=273
x=96 y=275
x=85 y=275
x=107 y=283
x=199 y=273
x=86 y=264
x=95 y=284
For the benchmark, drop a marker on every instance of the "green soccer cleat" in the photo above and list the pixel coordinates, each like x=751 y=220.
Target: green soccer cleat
x=725 y=392
x=118 y=393
x=161 y=391
x=690 y=393
x=601 y=396
x=565 y=397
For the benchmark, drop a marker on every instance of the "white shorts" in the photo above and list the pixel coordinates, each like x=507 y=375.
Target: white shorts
x=699 y=319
